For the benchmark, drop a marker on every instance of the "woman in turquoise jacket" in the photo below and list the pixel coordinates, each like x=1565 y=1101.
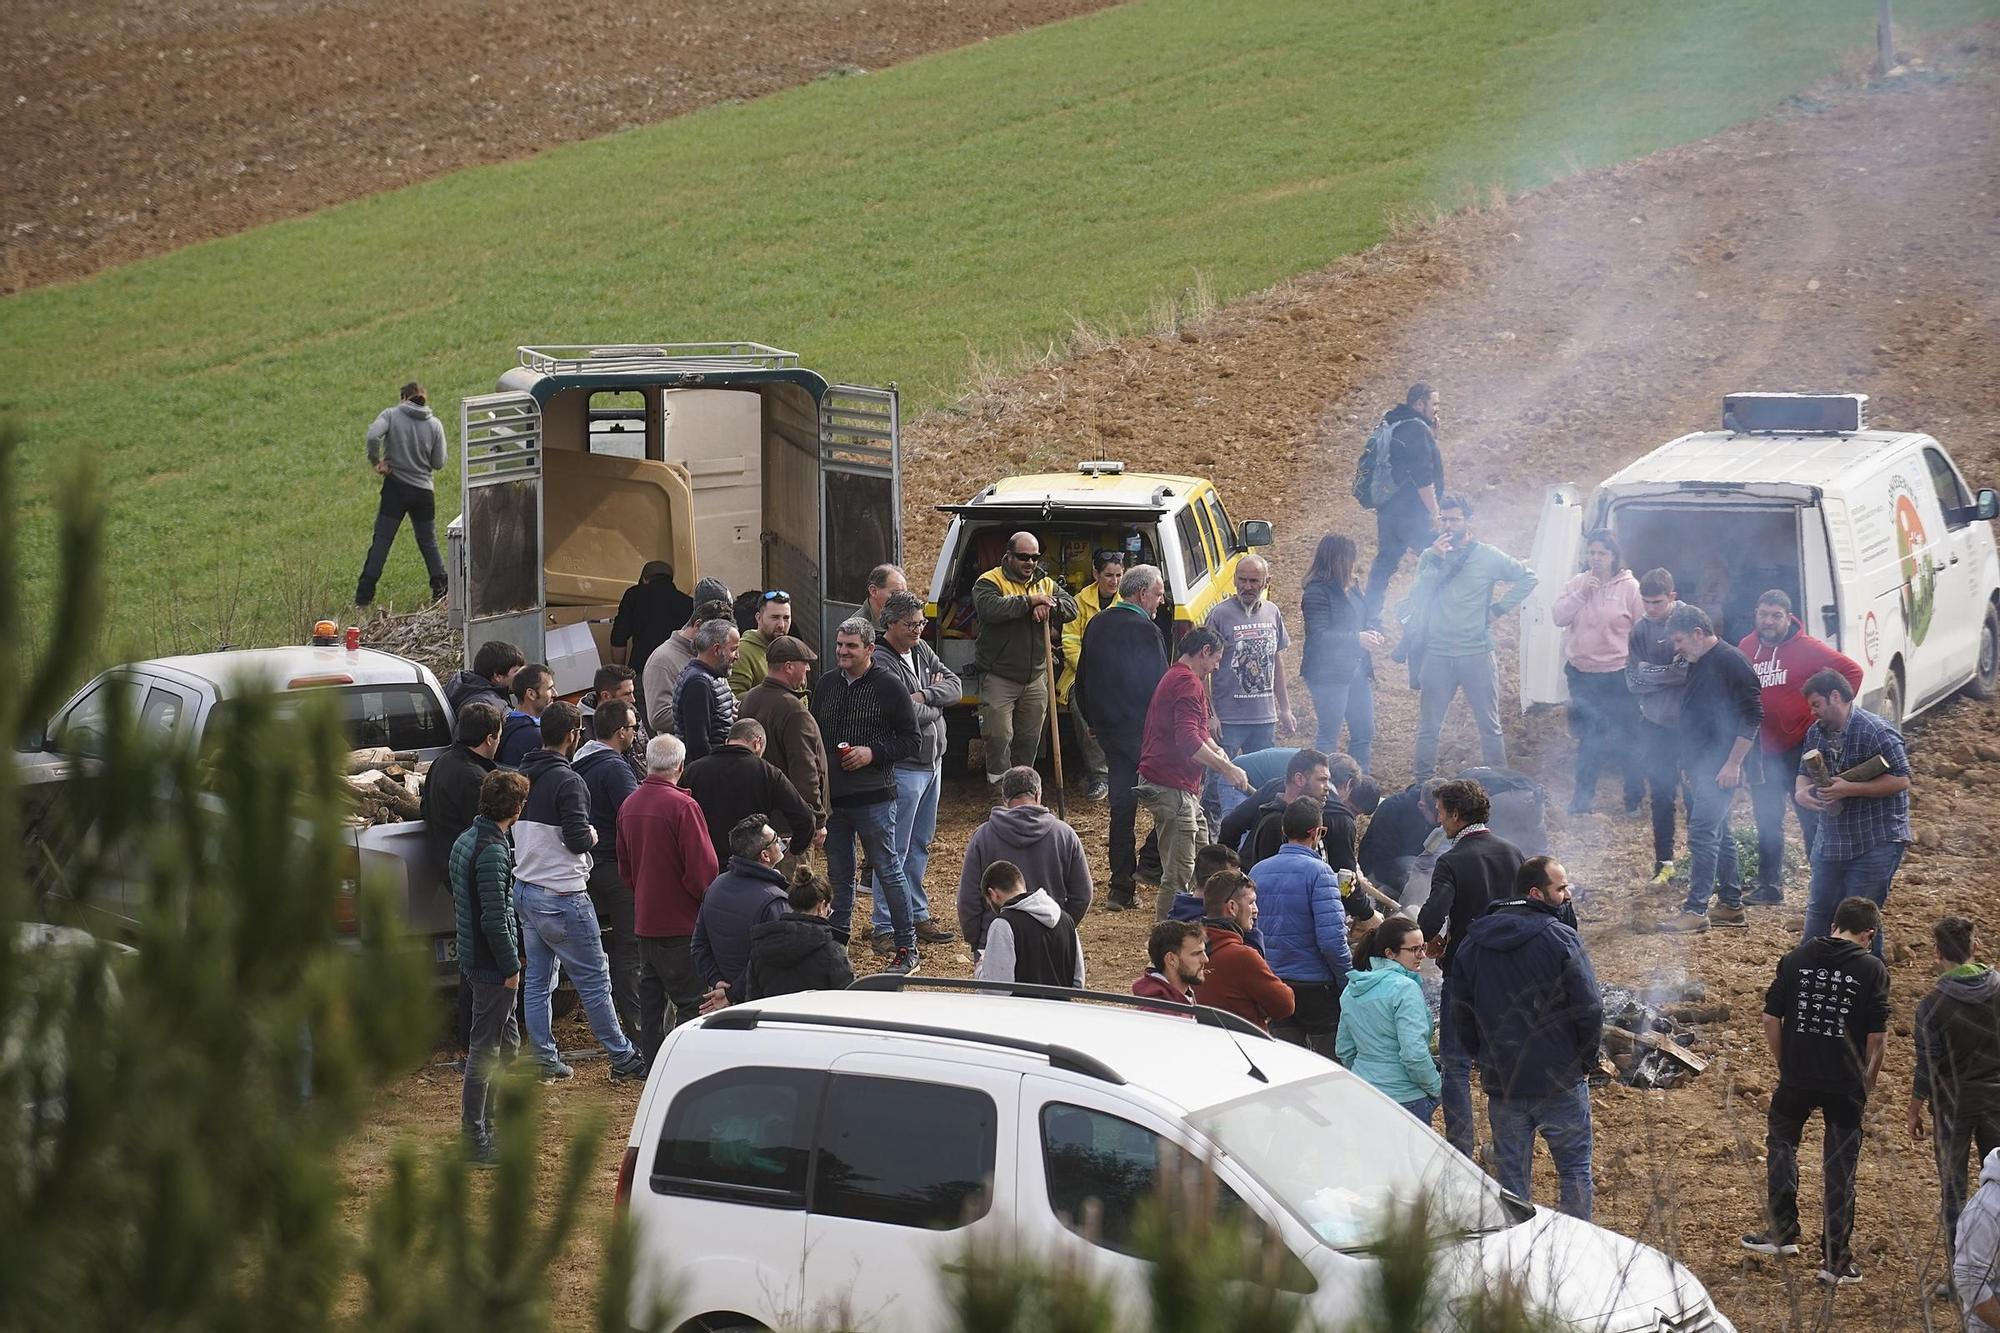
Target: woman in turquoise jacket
x=1385 y=1026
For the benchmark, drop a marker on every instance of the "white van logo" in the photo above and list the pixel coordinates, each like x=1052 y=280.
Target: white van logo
x=1919 y=594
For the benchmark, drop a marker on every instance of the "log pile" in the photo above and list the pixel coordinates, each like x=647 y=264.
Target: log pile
x=385 y=787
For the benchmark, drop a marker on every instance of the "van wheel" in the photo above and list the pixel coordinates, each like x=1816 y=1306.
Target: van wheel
x=1892 y=696
x=1985 y=681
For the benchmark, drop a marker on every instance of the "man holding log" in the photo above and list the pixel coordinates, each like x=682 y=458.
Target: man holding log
x=1855 y=775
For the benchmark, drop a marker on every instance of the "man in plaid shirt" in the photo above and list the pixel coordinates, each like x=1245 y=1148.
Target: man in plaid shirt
x=1863 y=826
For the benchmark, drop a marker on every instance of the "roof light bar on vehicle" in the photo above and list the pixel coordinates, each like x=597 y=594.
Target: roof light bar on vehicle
x=1793 y=413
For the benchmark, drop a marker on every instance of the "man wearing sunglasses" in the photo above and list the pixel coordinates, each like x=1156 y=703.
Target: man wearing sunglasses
x=773 y=618
x=1018 y=607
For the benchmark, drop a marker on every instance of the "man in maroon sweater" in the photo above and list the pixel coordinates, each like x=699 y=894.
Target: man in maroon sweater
x=1784 y=657
x=1176 y=747
x=665 y=854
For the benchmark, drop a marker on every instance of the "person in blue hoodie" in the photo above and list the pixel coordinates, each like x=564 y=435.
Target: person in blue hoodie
x=534 y=689
x=1385 y=1025
x=552 y=844
x=1530 y=1015
x=1305 y=929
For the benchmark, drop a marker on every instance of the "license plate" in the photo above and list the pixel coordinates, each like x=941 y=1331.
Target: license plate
x=446 y=947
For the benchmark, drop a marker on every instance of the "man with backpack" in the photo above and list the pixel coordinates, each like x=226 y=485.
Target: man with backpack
x=1401 y=477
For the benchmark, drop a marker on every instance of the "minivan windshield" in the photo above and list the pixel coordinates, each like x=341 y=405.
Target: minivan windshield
x=1343 y=1158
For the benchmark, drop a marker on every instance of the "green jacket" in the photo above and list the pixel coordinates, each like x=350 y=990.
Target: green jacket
x=482 y=891
x=1454 y=598
x=752 y=664
x=1010 y=643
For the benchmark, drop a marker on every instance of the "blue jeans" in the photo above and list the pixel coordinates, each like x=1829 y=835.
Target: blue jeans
x=916 y=824
x=875 y=825
x=1864 y=876
x=1711 y=844
x=1239 y=738
x=1352 y=703
x=1564 y=1121
x=1423 y=1108
x=561 y=931
x=1456 y=1068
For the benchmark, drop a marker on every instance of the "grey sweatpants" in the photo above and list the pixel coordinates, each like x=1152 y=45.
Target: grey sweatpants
x=1440 y=679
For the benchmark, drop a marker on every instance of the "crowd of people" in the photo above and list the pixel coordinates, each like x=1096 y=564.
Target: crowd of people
x=677 y=814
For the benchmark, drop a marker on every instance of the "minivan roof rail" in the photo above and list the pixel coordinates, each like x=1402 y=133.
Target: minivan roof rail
x=1059 y=1057
x=1206 y=1015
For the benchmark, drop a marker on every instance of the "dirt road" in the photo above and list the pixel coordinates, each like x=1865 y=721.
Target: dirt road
x=131 y=130
x=1853 y=242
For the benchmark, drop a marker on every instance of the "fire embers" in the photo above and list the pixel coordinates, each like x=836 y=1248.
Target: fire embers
x=1647 y=1038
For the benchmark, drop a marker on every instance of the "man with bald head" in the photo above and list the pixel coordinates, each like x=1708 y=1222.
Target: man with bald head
x=1248 y=689
x=1020 y=610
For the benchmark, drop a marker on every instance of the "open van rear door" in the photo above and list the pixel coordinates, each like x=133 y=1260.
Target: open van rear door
x=861 y=500
x=1558 y=541
x=500 y=460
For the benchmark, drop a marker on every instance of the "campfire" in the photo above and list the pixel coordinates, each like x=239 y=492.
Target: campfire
x=1646 y=1037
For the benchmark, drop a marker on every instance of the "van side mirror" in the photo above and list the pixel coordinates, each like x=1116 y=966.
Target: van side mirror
x=1257 y=531
x=1987 y=507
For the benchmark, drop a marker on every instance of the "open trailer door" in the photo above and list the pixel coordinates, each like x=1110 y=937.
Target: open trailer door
x=861 y=497
x=500 y=458
x=1558 y=544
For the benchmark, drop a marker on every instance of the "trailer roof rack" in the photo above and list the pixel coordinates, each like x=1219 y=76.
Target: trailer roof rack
x=1793 y=413
x=667 y=358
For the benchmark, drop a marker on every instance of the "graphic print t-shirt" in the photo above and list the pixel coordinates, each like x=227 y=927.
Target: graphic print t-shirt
x=1829 y=995
x=1246 y=682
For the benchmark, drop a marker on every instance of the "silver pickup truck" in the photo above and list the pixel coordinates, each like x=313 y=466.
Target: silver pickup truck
x=384 y=700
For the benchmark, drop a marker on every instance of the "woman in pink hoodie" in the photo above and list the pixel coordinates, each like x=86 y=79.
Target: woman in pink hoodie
x=1598 y=607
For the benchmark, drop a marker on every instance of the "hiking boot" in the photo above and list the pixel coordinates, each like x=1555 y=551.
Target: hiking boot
x=1663 y=873
x=1762 y=1242
x=930 y=932
x=1762 y=897
x=1097 y=790
x=883 y=944
x=553 y=1071
x=1845 y=1273
x=632 y=1069
x=480 y=1150
x=1728 y=918
x=1685 y=923
x=904 y=963
x=1122 y=898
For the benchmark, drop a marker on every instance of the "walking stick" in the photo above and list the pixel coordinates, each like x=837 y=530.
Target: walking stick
x=1055 y=722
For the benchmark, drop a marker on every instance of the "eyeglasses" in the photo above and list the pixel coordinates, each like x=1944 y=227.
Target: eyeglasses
x=913 y=622
x=776 y=595
x=1417 y=947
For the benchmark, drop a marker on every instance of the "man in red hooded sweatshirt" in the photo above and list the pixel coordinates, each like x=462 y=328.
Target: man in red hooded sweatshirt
x=1785 y=657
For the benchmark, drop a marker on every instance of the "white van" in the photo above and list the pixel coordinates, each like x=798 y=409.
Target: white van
x=821 y=1159
x=1883 y=549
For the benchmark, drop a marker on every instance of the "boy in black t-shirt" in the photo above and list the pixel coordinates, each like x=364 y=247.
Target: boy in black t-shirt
x=1824 y=1018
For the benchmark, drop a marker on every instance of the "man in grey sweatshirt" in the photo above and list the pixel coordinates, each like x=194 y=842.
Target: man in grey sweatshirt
x=405 y=445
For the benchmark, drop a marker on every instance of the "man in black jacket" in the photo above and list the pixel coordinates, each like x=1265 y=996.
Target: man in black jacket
x=450 y=799
x=1396 y=835
x=1824 y=1018
x=797 y=951
x=1722 y=712
x=1030 y=938
x=1477 y=871
x=1407 y=521
x=868 y=723
x=1307 y=773
x=1958 y=1063
x=1529 y=1011
x=735 y=781
x=604 y=763
x=492 y=675
x=1118 y=667
x=747 y=893
x=704 y=707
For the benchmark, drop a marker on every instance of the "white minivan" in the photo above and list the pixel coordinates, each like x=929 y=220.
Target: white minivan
x=1884 y=550
x=819 y=1160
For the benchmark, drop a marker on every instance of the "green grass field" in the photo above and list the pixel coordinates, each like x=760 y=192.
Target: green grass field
x=884 y=226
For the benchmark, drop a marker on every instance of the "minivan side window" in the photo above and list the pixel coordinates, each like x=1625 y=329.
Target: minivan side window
x=1100 y=1169
x=1194 y=551
x=904 y=1153
x=744 y=1136
x=1951 y=495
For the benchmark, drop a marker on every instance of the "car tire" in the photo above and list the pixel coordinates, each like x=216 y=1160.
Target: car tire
x=1985 y=682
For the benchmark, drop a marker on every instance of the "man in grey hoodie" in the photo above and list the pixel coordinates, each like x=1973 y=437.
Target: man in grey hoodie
x=1958 y=1062
x=1975 y=1264
x=1022 y=830
x=405 y=445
